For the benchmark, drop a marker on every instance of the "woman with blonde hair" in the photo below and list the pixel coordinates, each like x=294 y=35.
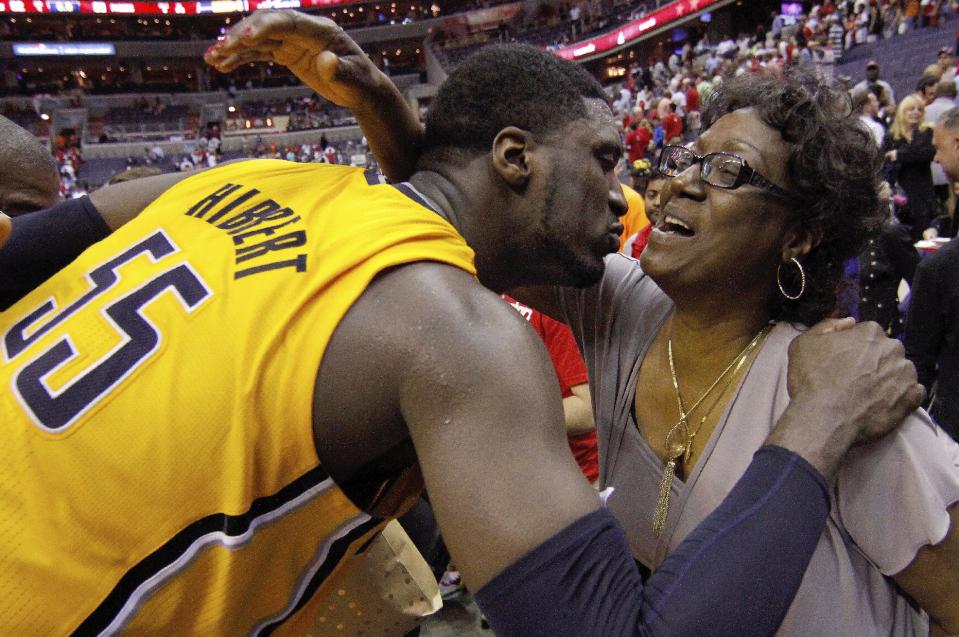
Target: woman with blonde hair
x=909 y=152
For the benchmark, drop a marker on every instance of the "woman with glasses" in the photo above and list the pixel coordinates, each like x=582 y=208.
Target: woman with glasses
x=688 y=357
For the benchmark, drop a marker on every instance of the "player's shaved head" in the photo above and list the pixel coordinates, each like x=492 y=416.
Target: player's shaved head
x=29 y=179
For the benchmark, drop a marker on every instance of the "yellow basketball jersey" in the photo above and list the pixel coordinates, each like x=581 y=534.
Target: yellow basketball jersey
x=635 y=218
x=157 y=472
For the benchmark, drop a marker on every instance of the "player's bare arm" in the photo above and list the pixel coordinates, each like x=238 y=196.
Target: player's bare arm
x=426 y=347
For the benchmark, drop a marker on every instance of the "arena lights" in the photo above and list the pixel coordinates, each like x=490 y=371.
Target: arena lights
x=634 y=30
x=197 y=7
x=28 y=49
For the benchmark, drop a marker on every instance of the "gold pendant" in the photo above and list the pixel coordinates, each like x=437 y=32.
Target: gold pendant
x=674 y=450
x=662 y=504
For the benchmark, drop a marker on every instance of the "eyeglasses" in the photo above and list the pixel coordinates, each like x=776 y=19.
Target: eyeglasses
x=722 y=170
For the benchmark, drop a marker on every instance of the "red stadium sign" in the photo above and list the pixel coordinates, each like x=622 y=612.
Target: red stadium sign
x=634 y=30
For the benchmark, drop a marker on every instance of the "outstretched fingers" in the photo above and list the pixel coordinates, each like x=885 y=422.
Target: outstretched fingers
x=271 y=28
x=228 y=62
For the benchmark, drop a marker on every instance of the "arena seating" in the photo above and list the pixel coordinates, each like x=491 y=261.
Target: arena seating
x=911 y=53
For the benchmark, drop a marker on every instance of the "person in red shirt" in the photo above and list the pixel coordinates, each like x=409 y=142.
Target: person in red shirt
x=637 y=140
x=692 y=96
x=573 y=384
x=673 y=126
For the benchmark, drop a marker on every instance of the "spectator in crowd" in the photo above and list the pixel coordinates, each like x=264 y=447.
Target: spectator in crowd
x=651 y=193
x=932 y=322
x=945 y=100
x=672 y=123
x=947 y=64
x=866 y=104
x=835 y=35
x=881 y=88
x=926 y=88
x=888 y=259
x=638 y=140
x=908 y=151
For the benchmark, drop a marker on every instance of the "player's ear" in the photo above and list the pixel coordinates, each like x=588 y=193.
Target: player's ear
x=510 y=155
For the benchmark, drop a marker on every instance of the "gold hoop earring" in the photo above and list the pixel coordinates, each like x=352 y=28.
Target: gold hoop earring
x=802 y=278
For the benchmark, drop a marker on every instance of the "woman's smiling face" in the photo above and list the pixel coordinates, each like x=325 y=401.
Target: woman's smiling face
x=710 y=239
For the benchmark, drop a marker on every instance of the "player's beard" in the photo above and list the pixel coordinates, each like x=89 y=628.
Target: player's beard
x=577 y=271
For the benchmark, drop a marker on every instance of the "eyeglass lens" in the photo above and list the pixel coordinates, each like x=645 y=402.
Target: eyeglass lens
x=718 y=169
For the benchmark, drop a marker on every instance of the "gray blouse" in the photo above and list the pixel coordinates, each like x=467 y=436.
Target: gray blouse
x=888 y=500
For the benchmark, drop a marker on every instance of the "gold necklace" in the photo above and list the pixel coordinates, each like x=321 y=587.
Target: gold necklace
x=676 y=450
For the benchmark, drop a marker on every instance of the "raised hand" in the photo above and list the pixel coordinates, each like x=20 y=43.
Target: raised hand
x=327 y=60
x=315 y=49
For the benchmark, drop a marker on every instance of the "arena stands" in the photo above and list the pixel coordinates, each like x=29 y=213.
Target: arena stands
x=153 y=102
x=154 y=96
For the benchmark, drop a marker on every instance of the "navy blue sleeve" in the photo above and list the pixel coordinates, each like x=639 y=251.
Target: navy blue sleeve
x=43 y=242
x=736 y=574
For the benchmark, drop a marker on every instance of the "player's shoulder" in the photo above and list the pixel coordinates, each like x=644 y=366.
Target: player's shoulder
x=263 y=167
x=429 y=305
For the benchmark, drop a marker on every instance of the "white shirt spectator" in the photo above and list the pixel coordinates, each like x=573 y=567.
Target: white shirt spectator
x=679 y=99
x=886 y=89
x=674 y=64
x=874 y=127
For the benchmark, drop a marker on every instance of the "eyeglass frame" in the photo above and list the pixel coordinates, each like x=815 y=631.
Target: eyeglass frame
x=747 y=174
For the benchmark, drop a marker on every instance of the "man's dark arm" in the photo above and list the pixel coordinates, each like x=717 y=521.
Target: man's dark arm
x=43 y=242
x=584 y=582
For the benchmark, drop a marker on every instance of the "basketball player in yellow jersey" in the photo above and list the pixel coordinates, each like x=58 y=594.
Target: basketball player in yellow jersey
x=227 y=253
x=210 y=408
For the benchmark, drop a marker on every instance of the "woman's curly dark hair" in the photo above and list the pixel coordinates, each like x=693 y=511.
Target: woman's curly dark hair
x=834 y=167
